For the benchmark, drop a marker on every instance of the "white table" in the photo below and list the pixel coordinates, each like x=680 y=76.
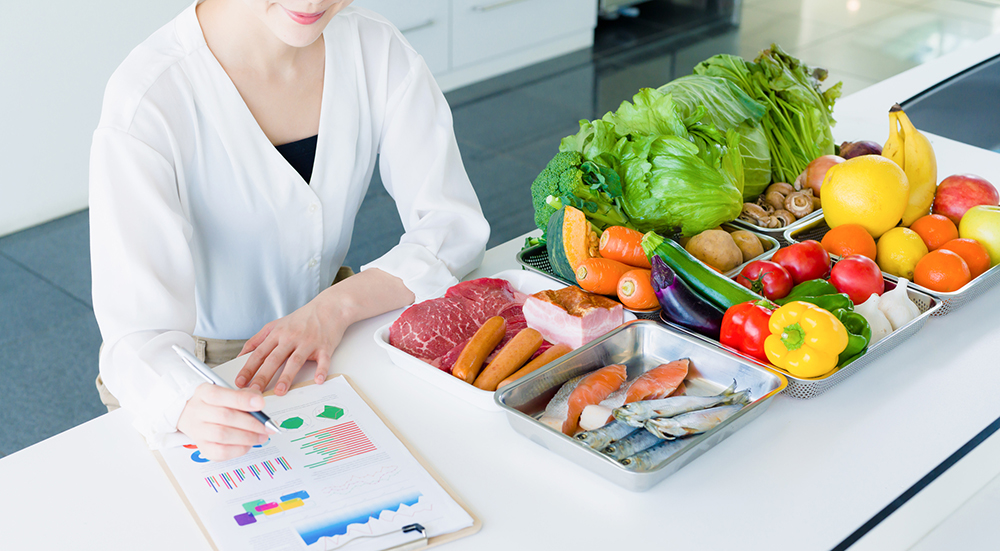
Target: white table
x=804 y=476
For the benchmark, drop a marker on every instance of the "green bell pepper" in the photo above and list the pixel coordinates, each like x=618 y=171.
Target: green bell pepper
x=811 y=288
x=859 y=334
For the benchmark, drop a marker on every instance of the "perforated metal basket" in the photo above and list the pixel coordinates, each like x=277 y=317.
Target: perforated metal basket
x=810 y=388
x=950 y=302
x=778 y=233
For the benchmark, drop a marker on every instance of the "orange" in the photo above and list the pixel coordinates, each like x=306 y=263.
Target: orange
x=942 y=271
x=935 y=230
x=849 y=239
x=972 y=252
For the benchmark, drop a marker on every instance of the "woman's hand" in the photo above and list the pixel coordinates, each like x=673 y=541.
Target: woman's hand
x=309 y=333
x=216 y=419
x=314 y=331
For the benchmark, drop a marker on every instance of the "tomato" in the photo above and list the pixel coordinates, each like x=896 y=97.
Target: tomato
x=858 y=276
x=804 y=261
x=766 y=278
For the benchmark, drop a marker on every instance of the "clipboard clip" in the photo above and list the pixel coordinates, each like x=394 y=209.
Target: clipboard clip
x=413 y=545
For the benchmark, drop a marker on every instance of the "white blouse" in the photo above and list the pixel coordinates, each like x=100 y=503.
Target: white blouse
x=200 y=227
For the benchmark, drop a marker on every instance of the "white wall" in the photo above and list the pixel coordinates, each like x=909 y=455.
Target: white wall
x=55 y=59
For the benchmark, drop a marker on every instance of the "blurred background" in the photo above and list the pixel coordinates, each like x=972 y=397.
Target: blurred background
x=518 y=74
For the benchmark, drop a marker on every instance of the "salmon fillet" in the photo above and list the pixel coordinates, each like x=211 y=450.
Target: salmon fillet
x=591 y=390
x=658 y=382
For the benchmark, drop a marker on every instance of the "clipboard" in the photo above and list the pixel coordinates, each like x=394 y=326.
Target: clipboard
x=416 y=545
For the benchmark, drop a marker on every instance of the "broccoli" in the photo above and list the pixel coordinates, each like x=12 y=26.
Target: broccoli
x=569 y=180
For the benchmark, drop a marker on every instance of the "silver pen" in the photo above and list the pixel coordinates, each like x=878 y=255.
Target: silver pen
x=210 y=377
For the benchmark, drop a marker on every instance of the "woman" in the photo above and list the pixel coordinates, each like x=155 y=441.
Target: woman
x=204 y=233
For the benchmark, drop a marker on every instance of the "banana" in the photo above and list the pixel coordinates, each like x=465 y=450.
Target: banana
x=912 y=151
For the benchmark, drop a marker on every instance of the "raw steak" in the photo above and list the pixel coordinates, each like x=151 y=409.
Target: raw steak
x=488 y=296
x=431 y=328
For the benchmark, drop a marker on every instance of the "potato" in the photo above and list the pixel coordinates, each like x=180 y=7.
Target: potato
x=715 y=248
x=749 y=244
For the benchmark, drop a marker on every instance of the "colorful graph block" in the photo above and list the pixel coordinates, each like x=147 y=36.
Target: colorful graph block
x=292 y=423
x=251 y=506
x=266 y=507
x=301 y=494
x=273 y=510
x=245 y=518
x=331 y=412
x=291 y=504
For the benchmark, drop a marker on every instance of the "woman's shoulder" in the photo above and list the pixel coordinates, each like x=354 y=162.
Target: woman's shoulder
x=153 y=63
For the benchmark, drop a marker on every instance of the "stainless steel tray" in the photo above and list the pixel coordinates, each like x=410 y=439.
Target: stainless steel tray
x=537 y=259
x=641 y=345
x=950 y=302
x=811 y=388
x=779 y=233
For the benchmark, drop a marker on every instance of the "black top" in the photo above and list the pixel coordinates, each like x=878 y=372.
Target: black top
x=300 y=155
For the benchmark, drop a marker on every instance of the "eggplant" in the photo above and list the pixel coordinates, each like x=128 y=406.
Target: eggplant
x=683 y=305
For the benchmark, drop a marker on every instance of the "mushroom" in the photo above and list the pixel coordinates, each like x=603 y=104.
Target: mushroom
x=780 y=187
x=784 y=217
x=799 y=204
x=775 y=199
x=754 y=214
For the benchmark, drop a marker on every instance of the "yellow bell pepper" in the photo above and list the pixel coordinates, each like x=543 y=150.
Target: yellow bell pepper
x=805 y=340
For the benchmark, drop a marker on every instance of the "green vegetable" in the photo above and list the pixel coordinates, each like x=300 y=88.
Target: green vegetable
x=727 y=107
x=569 y=180
x=706 y=282
x=799 y=117
x=811 y=288
x=859 y=334
x=835 y=301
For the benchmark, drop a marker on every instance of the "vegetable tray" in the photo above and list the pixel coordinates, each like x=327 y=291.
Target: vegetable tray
x=811 y=388
x=640 y=345
x=536 y=259
x=780 y=234
x=950 y=302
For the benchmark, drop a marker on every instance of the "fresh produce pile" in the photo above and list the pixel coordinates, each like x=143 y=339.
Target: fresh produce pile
x=641 y=422
x=683 y=158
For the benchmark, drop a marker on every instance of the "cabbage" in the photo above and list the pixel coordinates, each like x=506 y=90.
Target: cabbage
x=728 y=107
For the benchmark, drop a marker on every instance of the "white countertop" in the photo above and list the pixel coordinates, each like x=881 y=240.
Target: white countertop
x=803 y=476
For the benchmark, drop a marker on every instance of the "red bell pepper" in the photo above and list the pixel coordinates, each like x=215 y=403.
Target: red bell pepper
x=744 y=327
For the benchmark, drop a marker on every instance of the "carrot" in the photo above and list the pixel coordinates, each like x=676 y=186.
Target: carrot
x=635 y=290
x=600 y=275
x=624 y=245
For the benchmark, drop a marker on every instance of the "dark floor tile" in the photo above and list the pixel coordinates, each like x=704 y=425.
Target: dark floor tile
x=503 y=186
x=377 y=227
x=49 y=379
x=535 y=155
x=30 y=305
x=58 y=251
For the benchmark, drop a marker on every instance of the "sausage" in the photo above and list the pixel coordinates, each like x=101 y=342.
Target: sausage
x=511 y=357
x=486 y=338
x=554 y=352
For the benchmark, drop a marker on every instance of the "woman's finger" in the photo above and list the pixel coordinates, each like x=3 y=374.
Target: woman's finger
x=234 y=418
x=292 y=366
x=244 y=400
x=221 y=452
x=256 y=359
x=270 y=366
x=254 y=341
x=322 y=367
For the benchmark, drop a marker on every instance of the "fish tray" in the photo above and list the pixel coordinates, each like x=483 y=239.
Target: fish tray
x=803 y=388
x=950 y=302
x=525 y=282
x=640 y=345
x=779 y=233
x=536 y=259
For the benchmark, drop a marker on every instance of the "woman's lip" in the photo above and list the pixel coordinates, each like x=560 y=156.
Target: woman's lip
x=303 y=18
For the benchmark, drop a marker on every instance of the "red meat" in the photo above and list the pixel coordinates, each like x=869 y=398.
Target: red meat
x=431 y=328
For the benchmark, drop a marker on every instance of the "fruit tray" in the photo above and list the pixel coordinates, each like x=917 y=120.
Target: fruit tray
x=778 y=233
x=950 y=302
x=536 y=259
x=810 y=388
x=640 y=346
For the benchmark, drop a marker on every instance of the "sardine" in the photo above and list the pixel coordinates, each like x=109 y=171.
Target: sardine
x=598 y=438
x=687 y=424
x=632 y=444
x=653 y=456
x=637 y=413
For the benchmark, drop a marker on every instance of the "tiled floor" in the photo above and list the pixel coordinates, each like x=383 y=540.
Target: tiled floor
x=507 y=128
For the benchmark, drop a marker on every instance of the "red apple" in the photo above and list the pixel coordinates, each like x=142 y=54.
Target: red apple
x=959 y=193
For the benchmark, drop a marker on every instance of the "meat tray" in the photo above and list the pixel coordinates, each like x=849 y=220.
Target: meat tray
x=950 y=302
x=525 y=282
x=641 y=345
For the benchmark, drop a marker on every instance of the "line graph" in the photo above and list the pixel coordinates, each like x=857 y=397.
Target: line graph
x=389 y=514
x=373 y=478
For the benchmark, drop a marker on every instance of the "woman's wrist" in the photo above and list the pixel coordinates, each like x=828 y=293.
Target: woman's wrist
x=365 y=295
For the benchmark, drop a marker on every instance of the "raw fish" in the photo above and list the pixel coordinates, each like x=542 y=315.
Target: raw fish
x=695 y=422
x=637 y=413
x=632 y=444
x=598 y=438
x=658 y=382
x=576 y=394
x=653 y=456
x=595 y=416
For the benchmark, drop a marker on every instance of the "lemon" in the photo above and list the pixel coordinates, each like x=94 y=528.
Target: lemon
x=898 y=251
x=869 y=190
